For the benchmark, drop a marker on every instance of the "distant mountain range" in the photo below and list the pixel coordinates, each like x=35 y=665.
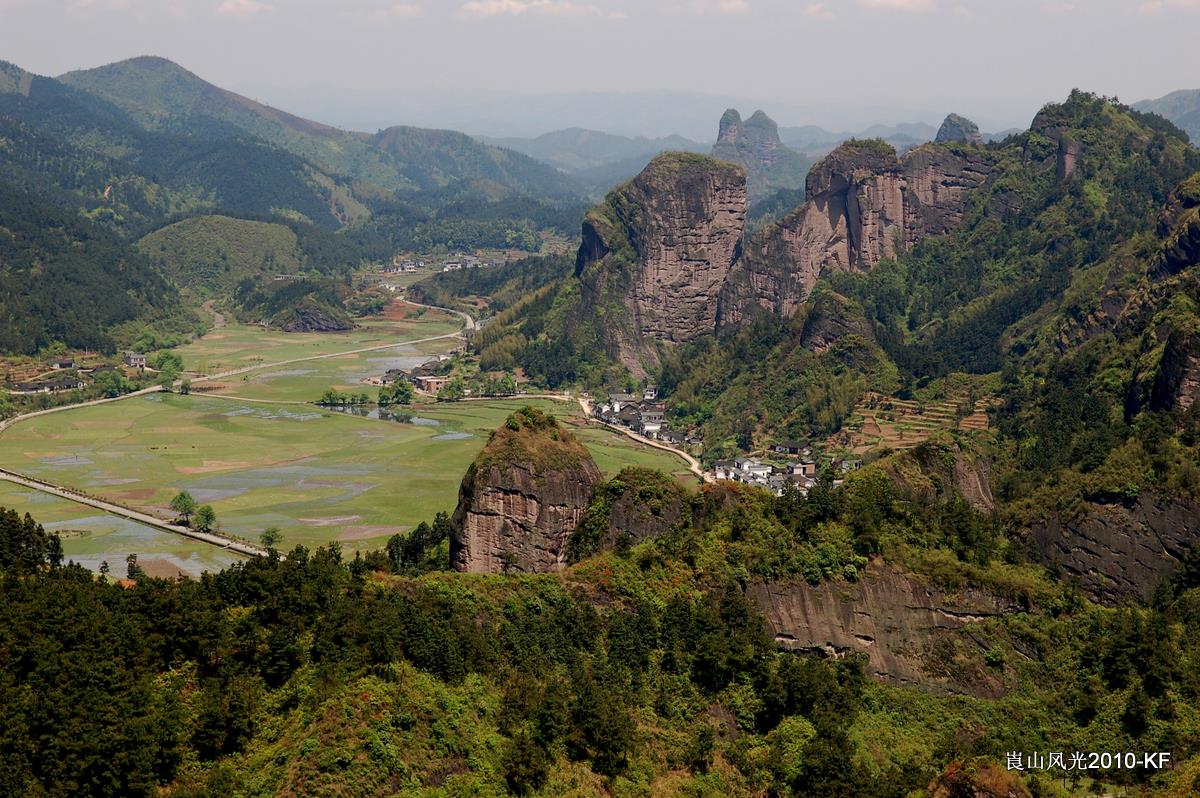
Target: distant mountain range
x=162 y=96
x=1181 y=107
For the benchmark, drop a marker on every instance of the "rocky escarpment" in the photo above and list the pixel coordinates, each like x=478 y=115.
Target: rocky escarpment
x=959 y=128
x=313 y=317
x=755 y=146
x=522 y=498
x=1119 y=551
x=903 y=626
x=656 y=253
x=864 y=205
x=636 y=505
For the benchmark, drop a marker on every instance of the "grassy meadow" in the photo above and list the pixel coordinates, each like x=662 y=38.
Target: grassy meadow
x=237 y=346
x=317 y=475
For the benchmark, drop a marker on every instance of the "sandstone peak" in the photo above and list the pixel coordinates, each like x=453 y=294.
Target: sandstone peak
x=959 y=128
x=731 y=123
x=659 y=248
x=863 y=205
x=754 y=144
x=522 y=497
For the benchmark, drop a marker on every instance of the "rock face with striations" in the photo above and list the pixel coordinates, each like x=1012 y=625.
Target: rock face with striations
x=657 y=251
x=959 y=128
x=1120 y=551
x=522 y=498
x=755 y=146
x=864 y=205
x=902 y=625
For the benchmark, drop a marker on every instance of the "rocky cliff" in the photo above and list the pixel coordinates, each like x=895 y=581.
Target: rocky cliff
x=1119 y=551
x=864 y=205
x=656 y=253
x=959 y=128
x=903 y=626
x=755 y=146
x=522 y=498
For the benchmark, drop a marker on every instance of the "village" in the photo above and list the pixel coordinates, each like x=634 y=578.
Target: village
x=32 y=377
x=799 y=465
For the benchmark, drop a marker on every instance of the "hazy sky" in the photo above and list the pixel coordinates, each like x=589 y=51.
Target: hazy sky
x=998 y=60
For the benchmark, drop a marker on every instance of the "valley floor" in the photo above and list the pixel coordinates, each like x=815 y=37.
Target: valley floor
x=261 y=456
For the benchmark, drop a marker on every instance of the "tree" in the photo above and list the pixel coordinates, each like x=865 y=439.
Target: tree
x=525 y=764
x=271 y=537
x=112 y=383
x=206 y=518
x=132 y=569
x=184 y=505
x=185 y=387
x=399 y=394
x=105 y=568
x=454 y=390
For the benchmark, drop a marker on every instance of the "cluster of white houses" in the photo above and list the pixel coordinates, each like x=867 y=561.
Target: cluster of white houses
x=802 y=473
x=469 y=262
x=642 y=414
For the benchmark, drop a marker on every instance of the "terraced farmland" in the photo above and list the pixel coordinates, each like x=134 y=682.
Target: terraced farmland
x=881 y=422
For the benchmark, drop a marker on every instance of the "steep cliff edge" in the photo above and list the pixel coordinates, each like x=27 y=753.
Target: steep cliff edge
x=521 y=498
x=864 y=205
x=901 y=624
x=657 y=251
x=754 y=145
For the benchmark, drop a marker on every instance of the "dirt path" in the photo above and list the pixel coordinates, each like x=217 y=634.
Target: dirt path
x=127 y=512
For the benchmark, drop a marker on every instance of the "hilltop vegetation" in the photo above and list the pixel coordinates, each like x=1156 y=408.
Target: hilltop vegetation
x=644 y=669
x=210 y=253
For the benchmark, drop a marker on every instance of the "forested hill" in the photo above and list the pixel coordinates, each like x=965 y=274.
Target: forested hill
x=163 y=96
x=143 y=146
x=63 y=278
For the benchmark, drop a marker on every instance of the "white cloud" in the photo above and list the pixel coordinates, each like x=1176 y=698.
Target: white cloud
x=900 y=5
x=1057 y=8
x=241 y=9
x=818 y=11
x=477 y=9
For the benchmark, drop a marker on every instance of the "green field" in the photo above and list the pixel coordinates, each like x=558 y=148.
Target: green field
x=305 y=382
x=317 y=475
x=237 y=346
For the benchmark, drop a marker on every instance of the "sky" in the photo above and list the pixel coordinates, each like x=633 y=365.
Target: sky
x=520 y=67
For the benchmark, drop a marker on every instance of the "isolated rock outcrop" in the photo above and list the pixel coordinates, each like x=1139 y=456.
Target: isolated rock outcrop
x=755 y=146
x=902 y=625
x=1119 y=551
x=522 y=498
x=864 y=205
x=657 y=251
x=959 y=128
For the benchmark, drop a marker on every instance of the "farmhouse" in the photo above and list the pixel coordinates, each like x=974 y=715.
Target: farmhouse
x=135 y=360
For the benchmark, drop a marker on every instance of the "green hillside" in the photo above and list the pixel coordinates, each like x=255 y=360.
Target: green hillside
x=163 y=96
x=104 y=154
x=1181 y=107
x=215 y=253
x=66 y=280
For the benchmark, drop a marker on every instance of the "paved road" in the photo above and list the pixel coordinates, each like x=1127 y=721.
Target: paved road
x=126 y=512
